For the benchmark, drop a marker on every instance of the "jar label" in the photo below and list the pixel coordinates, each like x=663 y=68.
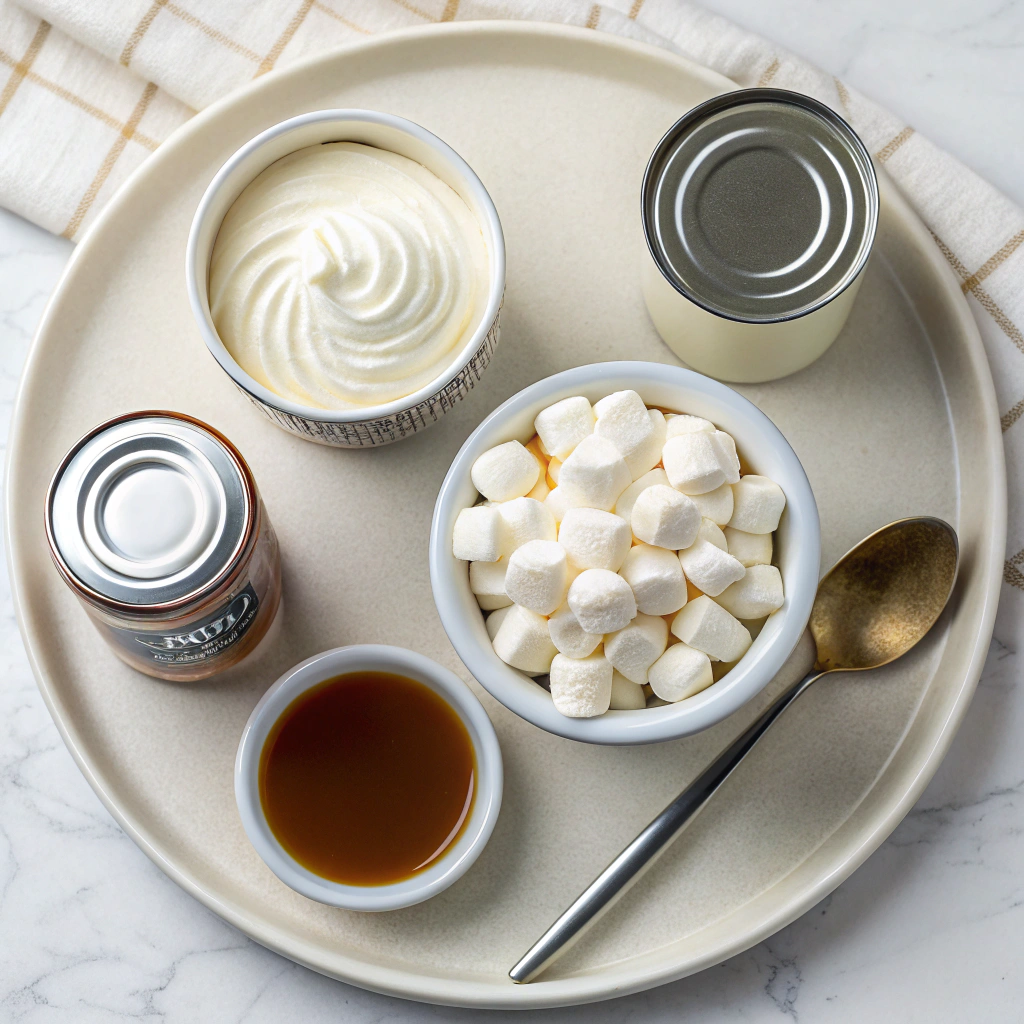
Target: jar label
x=202 y=640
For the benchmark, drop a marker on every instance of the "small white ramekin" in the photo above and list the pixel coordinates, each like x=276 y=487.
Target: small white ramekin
x=797 y=551
x=455 y=861
x=373 y=425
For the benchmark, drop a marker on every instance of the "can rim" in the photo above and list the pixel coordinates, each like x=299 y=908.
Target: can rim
x=740 y=97
x=200 y=593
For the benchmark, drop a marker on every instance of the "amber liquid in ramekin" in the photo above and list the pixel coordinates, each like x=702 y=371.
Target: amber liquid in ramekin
x=367 y=778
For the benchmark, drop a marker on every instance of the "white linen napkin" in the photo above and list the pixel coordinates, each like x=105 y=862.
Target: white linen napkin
x=88 y=89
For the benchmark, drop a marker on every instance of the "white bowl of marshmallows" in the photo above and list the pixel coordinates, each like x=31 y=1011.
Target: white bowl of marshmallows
x=625 y=552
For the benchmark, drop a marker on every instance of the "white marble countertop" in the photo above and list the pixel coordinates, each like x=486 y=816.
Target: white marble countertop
x=930 y=928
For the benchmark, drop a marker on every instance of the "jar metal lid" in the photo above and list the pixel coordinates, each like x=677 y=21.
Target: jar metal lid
x=760 y=205
x=149 y=510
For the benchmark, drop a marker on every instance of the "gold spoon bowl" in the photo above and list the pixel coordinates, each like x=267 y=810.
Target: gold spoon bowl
x=882 y=597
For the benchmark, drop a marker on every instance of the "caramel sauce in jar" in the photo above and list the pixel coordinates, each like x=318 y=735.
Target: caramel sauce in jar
x=367 y=778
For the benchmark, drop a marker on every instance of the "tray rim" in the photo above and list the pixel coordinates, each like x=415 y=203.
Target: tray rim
x=601 y=983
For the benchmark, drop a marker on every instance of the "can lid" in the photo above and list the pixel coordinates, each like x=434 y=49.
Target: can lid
x=148 y=510
x=760 y=205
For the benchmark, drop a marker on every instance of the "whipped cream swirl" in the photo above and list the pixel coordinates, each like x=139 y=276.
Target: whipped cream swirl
x=347 y=276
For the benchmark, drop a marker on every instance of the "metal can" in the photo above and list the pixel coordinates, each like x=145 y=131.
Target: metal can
x=760 y=209
x=155 y=523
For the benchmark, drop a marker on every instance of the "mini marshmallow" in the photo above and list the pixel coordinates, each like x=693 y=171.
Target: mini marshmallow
x=477 y=535
x=665 y=517
x=557 y=504
x=594 y=539
x=538 y=576
x=581 y=687
x=659 y=424
x=708 y=627
x=523 y=641
x=563 y=425
x=695 y=462
x=492 y=602
x=656 y=579
x=523 y=520
x=713 y=533
x=759 y=593
x=726 y=444
x=623 y=419
x=601 y=601
x=749 y=548
x=636 y=647
x=716 y=505
x=682 y=424
x=487 y=579
x=594 y=475
x=707 y=562
x=680 y=672
x=505 y=472
x=626 y=695
x=645 y=458
x=759 y=504
x=624 y=506
x=569 y=636
x=495 y=619
x=609 y=402
x=554 y=468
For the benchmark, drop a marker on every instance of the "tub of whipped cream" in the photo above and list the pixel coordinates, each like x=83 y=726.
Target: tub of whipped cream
x=346 y=269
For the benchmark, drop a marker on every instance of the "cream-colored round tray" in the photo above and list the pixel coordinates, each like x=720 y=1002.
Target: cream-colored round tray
x=897 y=418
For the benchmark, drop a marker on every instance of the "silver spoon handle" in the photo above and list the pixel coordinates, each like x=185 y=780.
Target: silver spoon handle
x=636 y=858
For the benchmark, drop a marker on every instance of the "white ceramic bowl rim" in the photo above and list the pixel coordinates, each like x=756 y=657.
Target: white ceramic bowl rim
x=455 y=861
x=770 y=649
x=197 y=266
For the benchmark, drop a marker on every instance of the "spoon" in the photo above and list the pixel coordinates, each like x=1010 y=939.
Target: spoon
x=875 y=603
